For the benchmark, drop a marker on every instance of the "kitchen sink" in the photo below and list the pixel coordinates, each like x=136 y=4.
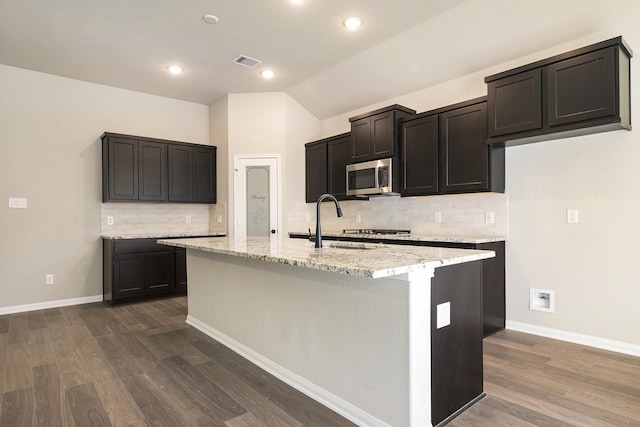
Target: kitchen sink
x=350 y=245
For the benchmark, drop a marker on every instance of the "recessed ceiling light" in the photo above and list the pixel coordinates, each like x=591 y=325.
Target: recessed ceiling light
x=267 y=74
x=352 y=23
x=210 y=19
x=175 y=69
x=297 y=1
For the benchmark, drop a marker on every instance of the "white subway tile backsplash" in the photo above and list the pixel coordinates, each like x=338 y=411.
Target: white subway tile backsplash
x=462 y=214
x=154 y=218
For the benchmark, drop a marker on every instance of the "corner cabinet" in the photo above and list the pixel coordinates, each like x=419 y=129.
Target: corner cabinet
x=326 y=163
x=152 y=170
x=580 y=92
x=444 y=151
x=315 y=170
x=374 y=135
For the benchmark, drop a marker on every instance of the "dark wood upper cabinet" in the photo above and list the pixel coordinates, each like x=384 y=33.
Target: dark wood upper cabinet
x=152 y=175
x=326 y=163
x=315 y=170
x=180 y=165
x=464 y=155
x=419 y=144
x=374 y=135
x=338 y=157
x=516 y=103
x=583 y=91
x=444 y=151
x=204 y=175
x=582 y=88
x=144 y=169
x=120 y=170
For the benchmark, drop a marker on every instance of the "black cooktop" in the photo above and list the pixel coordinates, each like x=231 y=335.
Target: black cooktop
x=374 y=231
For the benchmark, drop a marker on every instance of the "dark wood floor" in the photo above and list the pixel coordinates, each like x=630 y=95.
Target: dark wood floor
x=141 y=365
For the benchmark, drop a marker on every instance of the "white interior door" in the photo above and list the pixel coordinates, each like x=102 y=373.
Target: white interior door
x=257 y=195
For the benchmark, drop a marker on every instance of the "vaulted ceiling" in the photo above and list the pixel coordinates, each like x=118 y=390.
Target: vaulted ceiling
x=402 y=46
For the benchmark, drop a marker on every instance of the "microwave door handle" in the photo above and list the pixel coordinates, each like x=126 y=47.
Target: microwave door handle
x=376 y=178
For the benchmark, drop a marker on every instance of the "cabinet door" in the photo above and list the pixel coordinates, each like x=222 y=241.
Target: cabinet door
x=339 y=153
x=123 y=169
x=179 y=173
x=152 y=175
x=315 y=171
x=419 y=156
x=515 y=103
x=361 y=139
x=204 y=175
x=383 y=135
x=129 y=271
x=493 y=288
x=464 y=153
x=582 y=88
x=181 y=268
x=159 y=271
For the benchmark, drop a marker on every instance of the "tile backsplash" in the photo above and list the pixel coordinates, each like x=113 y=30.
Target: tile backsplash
x=461 y=214
x=131 y=219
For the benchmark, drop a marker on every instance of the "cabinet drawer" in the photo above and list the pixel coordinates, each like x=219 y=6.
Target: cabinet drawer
x=129 y=246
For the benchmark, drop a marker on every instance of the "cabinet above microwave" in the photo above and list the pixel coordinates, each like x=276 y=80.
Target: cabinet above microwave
x=375 y=135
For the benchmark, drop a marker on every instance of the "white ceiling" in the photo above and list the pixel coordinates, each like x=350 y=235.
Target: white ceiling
x=403 y=45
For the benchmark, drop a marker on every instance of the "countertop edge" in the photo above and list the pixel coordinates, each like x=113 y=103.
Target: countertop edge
x=462 y=256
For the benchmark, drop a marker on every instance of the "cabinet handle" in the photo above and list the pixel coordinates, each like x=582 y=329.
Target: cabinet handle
x=129 y=290
x=158 y=286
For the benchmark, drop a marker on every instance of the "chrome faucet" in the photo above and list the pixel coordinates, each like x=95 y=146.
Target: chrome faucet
x=338 y=211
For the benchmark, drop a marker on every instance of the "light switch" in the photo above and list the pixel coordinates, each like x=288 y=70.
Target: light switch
x=17 y=203
x=443 y=315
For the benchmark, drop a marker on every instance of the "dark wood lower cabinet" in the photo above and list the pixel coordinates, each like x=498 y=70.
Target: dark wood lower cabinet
x=456 y=349
x=181 y=269
x=140 y=269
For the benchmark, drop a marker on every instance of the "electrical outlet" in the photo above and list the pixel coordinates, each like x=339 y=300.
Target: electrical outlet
x=572 y=216
x=188 y=219
x=219 y=219
x=48 y=279
x=437 y=217
x=358 y=217
x=109 y=220
x=489 y=217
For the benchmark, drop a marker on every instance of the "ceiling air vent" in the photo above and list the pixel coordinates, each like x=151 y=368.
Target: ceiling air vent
x=245 y=61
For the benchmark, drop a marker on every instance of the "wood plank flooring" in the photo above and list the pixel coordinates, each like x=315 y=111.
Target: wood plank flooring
x=141 y=365
x=536 y=381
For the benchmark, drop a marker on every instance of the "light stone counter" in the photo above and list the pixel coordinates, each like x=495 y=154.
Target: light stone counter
x=444 y=238
x=373 y=261
x=158 y=235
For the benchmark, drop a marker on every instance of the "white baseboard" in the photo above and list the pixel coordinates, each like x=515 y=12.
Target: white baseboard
x=588 y=340
x=49 y=304
x=326 y=398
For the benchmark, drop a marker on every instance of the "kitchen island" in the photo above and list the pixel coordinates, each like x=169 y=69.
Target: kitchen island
x=384 y=335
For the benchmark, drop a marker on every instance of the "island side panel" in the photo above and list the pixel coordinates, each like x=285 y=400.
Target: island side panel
x=342 y=335
x=456 y=349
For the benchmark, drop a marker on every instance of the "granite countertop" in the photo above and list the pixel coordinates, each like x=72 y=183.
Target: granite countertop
x=159 y=235
x=448 y=238
x=377 y=260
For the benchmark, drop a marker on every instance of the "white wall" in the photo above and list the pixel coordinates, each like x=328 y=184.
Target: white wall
x=269 y=123
x=50 y=153
x=590 y=265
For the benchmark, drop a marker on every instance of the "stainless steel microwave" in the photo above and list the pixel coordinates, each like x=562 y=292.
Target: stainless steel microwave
x=370 y=178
